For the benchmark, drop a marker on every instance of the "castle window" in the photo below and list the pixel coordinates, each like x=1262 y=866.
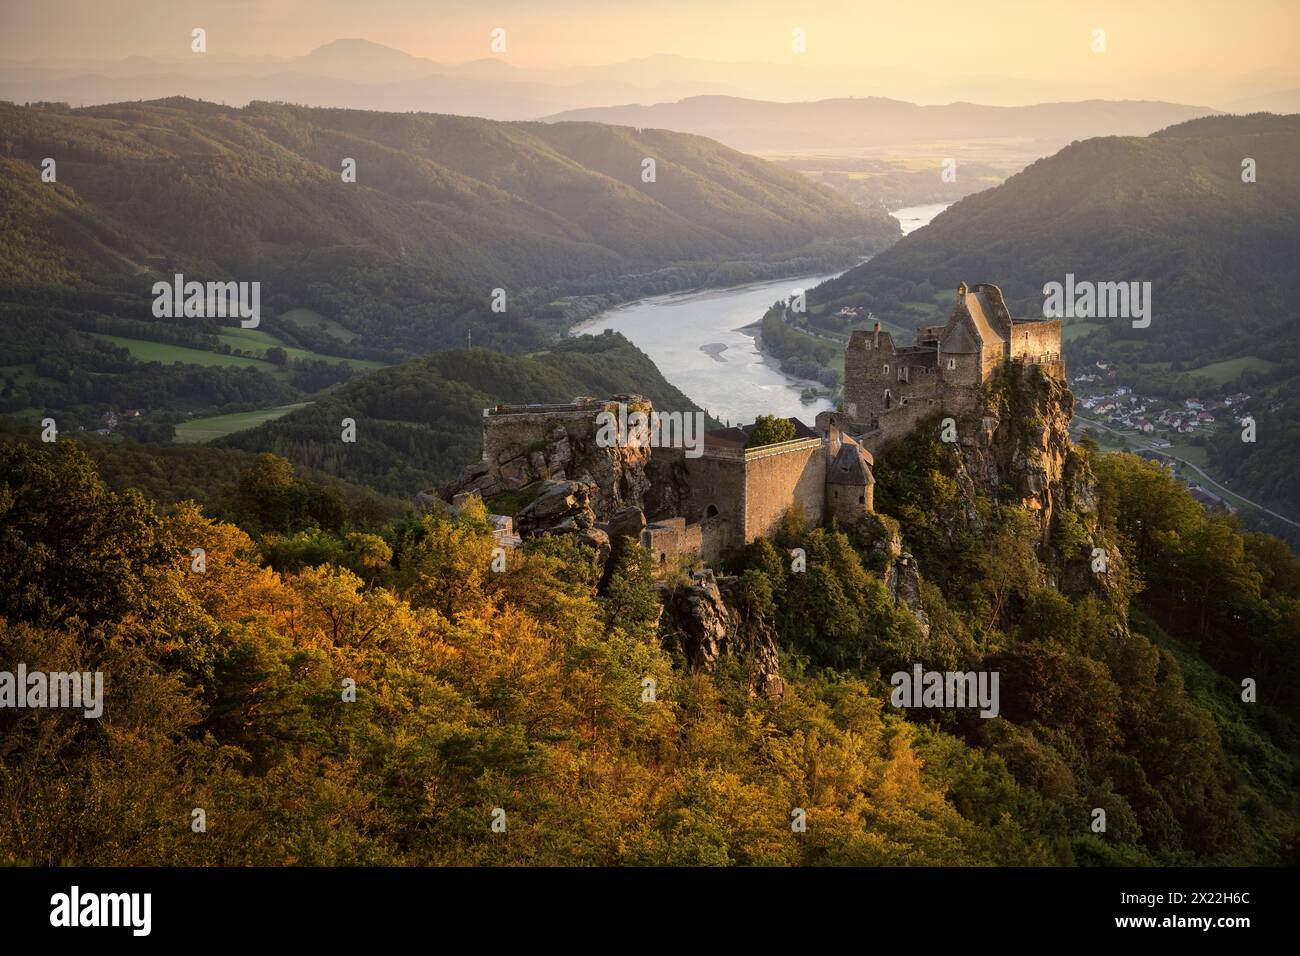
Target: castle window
x=903 y=402
x=886 y=371
x=889 y=400
x=862 y=499
x=711 y=511
x=952 y=363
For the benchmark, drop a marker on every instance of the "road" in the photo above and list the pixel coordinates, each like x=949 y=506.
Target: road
x=1208 y=480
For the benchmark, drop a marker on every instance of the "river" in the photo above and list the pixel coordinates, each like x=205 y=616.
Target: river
x=696 y=340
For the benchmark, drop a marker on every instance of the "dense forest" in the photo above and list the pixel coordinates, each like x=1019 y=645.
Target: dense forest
x=517 y=696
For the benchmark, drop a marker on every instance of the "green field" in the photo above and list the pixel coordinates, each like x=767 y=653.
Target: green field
x=257 y=342
x=167 y=354
x=22 y=374
x=1220 y=372
x=306 y=318
x=218 y=426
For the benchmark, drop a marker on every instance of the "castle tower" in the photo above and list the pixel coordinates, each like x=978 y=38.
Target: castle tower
x=850 y=483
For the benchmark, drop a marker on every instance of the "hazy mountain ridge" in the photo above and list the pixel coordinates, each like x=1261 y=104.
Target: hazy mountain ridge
x=875 y=121
x=444 y=208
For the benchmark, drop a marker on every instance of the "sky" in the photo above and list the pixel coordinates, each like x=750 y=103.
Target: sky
x=1173 y=49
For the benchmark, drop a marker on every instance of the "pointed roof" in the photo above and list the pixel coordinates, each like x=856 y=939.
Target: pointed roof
x=974 y=305
x=851 y=465
x=960 y=341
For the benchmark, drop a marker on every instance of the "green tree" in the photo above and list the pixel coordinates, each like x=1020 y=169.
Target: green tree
x=770 y=430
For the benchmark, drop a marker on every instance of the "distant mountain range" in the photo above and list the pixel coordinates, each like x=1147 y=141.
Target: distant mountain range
x=873 y=122
x=359 y=74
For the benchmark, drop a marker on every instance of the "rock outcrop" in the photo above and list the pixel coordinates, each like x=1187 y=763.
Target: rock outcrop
x=879 y=538
x=533 y=444
x=1016 y=448
x=562 y=506
x=703 y=625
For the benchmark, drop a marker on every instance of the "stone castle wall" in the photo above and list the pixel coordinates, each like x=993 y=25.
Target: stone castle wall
x=848 y=503
x=857 y=360
x=711 y=486
x=779 y=476
x=672 y=538
x=1031 y=341
x=508 y=430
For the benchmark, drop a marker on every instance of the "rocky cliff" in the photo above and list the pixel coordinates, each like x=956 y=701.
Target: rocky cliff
x=702 y=624
x=878 y=538
x=1015 y=449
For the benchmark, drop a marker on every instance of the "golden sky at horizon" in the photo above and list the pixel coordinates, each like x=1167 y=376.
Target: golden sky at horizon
x=1154 y=47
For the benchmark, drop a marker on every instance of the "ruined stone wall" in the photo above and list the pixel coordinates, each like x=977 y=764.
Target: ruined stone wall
x=672 y=538
x=777 y=476
x=953 y=400
x=962 y=368
x=711 y=485
x=860 y=392
x=865 y=400
x=1031 y=340
x=526 y=444
x=716 y=536
x=505 y=435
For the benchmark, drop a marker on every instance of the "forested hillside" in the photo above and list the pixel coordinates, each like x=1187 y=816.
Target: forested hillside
x=444 y=211
x=420 y=422
x=522 y=692
x=1170 y=209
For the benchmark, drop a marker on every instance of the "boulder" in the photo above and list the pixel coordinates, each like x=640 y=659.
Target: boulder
x=561 y=507
x=626 y=523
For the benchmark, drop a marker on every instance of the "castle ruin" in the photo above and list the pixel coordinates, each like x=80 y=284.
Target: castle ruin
x=730 y=494
x=889 y=388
